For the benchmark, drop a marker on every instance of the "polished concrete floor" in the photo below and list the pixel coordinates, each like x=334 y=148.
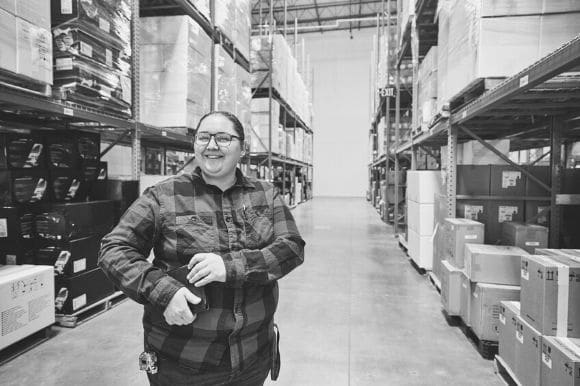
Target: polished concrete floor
x=356 y=313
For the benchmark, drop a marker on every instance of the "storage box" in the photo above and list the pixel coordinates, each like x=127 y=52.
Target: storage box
x=62 y=150
x=26 y=301
x=525 y=236
x=507 y=181
x=484 y=309
x=508 y=315
x=461 y=232
x=23 y=186
x=422 y=185
x=467 y=289
x=560 y=361
x=450 y=288
x=499 y=212
x=551 y=294
x=473 y=180
x=33 y=52
x=421 y=250
x=420 y=218
x=528 y=353
x=67 y=185
x=74 y=293
x=493 y=263
x=22 y=151
x=16 y=224
x=474 y=153
x=8 y=41
x=70 y=257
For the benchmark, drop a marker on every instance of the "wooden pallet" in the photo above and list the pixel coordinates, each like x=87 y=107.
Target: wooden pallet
x=420 y=271
x=504 y=373
x=403 y=243
x=22 y=346
x=488 y=349
x=435 y=281
x=91 y=311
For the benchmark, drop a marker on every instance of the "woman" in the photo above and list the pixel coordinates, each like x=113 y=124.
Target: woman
x=234 y=238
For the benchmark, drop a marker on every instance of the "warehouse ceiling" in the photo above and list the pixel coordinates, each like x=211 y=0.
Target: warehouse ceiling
x=319 y=16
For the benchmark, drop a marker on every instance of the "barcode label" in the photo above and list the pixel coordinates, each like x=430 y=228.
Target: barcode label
x=532 y=243
x=3 y=227
x=64 y=64
x=66 y=7
x=79 y=301
x=86 y=49
x=79 y=265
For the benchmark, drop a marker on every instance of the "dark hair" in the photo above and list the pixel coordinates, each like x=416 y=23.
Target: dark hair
x=238 y=127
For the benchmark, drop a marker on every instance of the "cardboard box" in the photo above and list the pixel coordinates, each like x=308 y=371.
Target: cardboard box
x=422 y=185
x=451 y=288
x=33 y=51
x=421 y=250
x=24 y=186
x=439 y=248
x=420 y=218
x=8 y=41
x=484 y=308
x=70 y=257
x=533 y=209
x=34 y=11
x=526 y=236
x=507 y=181
x=508 y=315
x=560 y=361
x=551 y=294
x=461 y=232
x=474 y=153
x=467 y=288
x=495 y=264
x=16 y=224
x=528 y=353
x=26 y=301
x=473 y=180
x=74 y=293
x=500 y=212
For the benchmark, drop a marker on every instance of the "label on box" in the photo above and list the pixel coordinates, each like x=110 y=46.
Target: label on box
x=472 y=212
x=532 y=243
x=66 y=7
x=79 y=265
x=86 y=49
x=104 y=25
x=520 y=337
x=502 y=319
x=61 y=262
x=11 y=259
x=79 y=301
x=510 y=178
x=506 y=213
x=108 y=57
x=547 y=360
x=470 y=237
x=3 y=227
x=105 y=92
x=64 y=64
x=525 y=274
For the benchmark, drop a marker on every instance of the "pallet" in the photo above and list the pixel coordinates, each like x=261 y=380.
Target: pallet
x=22 y=346
x=90 y=312
x=403 y=243
x=473 y=91
x=504 y=373
x=435 y=281
x=420 y=271
x=488 y=349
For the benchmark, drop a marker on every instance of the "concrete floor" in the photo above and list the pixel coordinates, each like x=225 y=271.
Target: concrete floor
x=356 y=313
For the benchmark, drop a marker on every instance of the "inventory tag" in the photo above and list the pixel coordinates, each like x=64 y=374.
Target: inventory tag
x=525 y=274
x=3 y=228
x=79 y=265
x=11 y=259
x=520 y=337
x=502 y=319
x=86 y=49
x=104 y=25
x=506 y=213
x=64 y=64
x=532 y=243
x=547 y=360
x=66 y=7
x=470 y=237
x=472 y=212
x=108 y=57
x=510 y=178
x=79 y=301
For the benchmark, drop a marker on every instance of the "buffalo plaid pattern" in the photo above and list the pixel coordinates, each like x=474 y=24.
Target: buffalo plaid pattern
x=248 y=225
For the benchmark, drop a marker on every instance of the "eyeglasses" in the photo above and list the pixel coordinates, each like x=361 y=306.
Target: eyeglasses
x=222 y=139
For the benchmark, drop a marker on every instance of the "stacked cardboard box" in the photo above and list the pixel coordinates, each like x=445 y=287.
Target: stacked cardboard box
x=482 y=39
x=261 y=127
x=226 y=80
x=175 y=71
x=526 y=236
x=427 y=86
x=233 y=19
x=422 y=186
x=26 y=43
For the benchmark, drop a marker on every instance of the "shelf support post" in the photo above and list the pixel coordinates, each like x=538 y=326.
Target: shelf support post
x=451 y=170
x=557 y=169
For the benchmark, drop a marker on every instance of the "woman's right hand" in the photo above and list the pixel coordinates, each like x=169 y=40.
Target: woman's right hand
x=177 y=311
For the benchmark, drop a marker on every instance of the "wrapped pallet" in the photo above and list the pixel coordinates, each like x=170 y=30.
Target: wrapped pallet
x=260 y=124
x=428 y=88
x=175 y=71
x=244 y=99
x=226 y=80
x=243 y=23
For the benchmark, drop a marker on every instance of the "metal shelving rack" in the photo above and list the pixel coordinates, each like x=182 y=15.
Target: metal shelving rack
x=289 y=119
x=534 y=108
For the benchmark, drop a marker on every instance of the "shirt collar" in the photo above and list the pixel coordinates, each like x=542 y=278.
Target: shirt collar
x=241 y=180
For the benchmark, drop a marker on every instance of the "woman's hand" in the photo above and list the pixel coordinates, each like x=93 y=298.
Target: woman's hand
x=177 y=311
x=207 y=267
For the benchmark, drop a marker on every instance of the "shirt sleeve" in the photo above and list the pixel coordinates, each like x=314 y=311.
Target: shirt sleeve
x=124 y=252
x=273 y=262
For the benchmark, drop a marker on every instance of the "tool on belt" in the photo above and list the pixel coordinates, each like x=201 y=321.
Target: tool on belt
x=275 y=368
x=148 y=362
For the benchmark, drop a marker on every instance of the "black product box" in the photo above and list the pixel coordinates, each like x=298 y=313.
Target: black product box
x=124 y=192
x=89 y=146
x=73 y=293
x=571 y=181
x=94 y=171
x=70 y=257
x=507 y=181
x=23 y=186
x=18 y=151
x=499 y=212
x=62 y=150
x=75 y=220
x=16 y=224
x=67 y=185
x=473 y=180
x=21 y=252
x=533 y=209
x=533 y=189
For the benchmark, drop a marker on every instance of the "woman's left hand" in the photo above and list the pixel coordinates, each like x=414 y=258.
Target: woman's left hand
x=207 y=267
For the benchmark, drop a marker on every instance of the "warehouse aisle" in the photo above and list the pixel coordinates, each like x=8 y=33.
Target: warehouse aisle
x=356 y=313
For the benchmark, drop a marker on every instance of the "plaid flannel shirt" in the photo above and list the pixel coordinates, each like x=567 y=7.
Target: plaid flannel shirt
x=248 y=225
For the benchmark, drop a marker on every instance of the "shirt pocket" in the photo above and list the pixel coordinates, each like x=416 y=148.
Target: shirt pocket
x=196 y=233
x=259 y=228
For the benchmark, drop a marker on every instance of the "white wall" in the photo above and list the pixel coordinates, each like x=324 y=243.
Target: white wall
x=341 y=106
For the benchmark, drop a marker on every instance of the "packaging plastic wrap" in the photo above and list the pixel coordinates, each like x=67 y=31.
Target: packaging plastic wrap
x=244 y=99
x=428 y=88
x=225 y=17
x=92 y=50
x=443 y=11
x=33 y=51
x=203 y=7
x=175 y=71
x=226 y=80
x=260 y=124
x=243 y=25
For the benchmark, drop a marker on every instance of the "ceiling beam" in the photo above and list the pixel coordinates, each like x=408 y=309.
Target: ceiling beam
x=332 y=4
